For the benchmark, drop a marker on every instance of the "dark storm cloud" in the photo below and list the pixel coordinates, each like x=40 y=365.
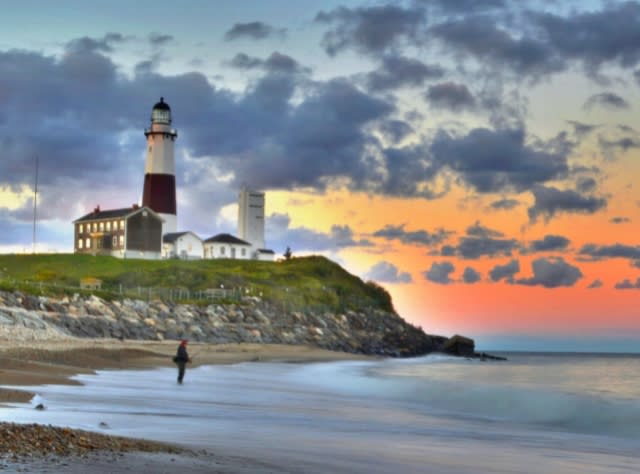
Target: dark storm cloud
x=626 y=284
x=480 y=241
x=550 y=201
x=160 y=39
x=60 y=110
x=462 y=6
x=586 y=185
x=478 y=230
x=609 y=35
x=475 y=247
x=255 y=30
x=611 y=251
x=244 y=61
x=549 y=243
x=321 y=137
x=544 y=43
x=372 y=30
x=610 y=146
x=636 y=75
x=450 y=96
x=406 y=172
x=418 y=237
x=385 y=272
x=494 y=161
x=597 y=283
x=303 y=239
x=552 y=274
x=395 y=130
x=470 y=275
x=619 y=220
x=504 y=204
x=606 y=99
x=276 y=62
x=439 y=273
x=102 y=45
x=505 y=272
x=400 y=71
x=581 y=129
x=479 y=37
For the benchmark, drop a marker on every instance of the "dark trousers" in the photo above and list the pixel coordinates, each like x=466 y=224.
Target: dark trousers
x=181 y=369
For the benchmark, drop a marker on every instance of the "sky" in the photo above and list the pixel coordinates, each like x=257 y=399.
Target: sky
x=478 y=159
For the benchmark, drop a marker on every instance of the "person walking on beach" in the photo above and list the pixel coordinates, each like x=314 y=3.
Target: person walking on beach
x=181 y=358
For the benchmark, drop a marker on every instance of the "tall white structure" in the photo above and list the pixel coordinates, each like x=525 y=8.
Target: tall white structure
x=159 y=179
x=251 y=217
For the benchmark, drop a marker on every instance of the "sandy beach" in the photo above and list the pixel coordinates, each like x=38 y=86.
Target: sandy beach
x=38 y=362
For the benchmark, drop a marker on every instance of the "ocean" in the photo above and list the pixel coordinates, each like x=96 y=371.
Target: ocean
x=534 y=413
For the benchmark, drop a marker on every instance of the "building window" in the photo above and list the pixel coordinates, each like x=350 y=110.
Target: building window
x=122 y=224
x=121 y=240
x=101 y=226
x=80 y=229
x=80 y=242
x=242 y=250
x=87 y=243
x=95 y=227
x=99 y=242
x=114 y=241
x=108 y=225
x=221 y=250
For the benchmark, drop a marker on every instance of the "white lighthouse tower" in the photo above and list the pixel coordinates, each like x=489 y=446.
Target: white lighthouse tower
x=159 y=179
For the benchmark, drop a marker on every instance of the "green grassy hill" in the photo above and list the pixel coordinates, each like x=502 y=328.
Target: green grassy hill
x=298 y=283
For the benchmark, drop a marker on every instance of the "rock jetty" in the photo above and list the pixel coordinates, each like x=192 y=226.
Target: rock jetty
x=366 y=331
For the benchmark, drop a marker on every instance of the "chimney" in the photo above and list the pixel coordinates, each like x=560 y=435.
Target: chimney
x=97 y=209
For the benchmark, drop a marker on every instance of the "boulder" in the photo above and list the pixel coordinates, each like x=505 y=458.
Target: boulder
x=460 y=346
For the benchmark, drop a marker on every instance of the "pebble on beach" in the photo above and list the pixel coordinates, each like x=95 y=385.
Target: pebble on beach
x=19 y=442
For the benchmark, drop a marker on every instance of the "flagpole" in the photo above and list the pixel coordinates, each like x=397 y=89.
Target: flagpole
x=35 y=206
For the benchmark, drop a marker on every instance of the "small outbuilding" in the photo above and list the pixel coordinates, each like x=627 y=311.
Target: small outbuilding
x=90 y=283
x=226 y=246
x=184 y=245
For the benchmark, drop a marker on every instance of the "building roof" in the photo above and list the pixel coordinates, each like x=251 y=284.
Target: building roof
x=173 y=236
x=98 y=214
x=226 y=239
x=265 y=251
x=106 y=214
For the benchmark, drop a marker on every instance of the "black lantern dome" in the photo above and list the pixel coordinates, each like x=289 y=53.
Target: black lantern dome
x=161 y=112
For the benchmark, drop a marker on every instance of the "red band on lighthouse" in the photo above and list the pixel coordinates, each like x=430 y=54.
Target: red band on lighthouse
x=160 y=193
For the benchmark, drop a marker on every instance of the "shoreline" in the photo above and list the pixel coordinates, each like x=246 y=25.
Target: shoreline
x=42 y=448
x=26 y=363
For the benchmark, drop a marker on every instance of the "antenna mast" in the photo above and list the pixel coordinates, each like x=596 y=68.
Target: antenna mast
x=35 y=206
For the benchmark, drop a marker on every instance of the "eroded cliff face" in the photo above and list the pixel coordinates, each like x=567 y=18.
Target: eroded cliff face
x=367 y=331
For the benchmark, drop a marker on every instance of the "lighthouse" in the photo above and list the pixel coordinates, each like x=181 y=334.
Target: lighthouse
x=159 y=174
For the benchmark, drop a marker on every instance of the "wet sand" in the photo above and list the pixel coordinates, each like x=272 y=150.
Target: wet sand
x=54 y=362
